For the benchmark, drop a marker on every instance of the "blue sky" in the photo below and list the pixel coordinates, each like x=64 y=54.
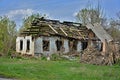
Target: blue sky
x=55 y=9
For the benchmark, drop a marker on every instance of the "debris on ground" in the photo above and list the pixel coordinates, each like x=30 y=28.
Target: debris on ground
x=92 y=56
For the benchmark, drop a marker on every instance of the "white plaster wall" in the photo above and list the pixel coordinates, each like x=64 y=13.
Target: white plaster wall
x=32 y=48
x=79 y=46
x=24 y=46
x=18 y=43
x=66 y=46
x=38 y=45
x=53 y=48
x=47 y=39
x=31 y=51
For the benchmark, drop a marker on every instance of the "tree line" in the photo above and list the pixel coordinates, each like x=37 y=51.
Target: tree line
x=8 y=29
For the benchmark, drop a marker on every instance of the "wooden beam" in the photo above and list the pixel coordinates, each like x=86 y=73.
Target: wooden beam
x=81 y=35
x=63 y=31
x=30 y=31
x=33 y=28
x=53 y=29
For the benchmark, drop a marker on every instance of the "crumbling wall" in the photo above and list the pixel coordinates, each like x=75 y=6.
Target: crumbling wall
x=18 y=45
x=52 y=45
x=38 y=45
x=31 y=45
x=66 y=46
x=79 y=46
x=109 y=56
x=24 y=45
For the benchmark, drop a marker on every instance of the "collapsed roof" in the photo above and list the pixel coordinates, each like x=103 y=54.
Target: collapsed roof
x=100 y=32
x=46 y=27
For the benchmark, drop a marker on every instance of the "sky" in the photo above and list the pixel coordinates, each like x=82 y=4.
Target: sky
x=63 y=10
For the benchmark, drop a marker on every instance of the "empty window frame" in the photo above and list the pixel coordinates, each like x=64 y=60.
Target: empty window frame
x=84 y=45
x=28 y=45
x=21 y=45
x=75 y=42
x=73 y=45
x=59 y=45
x=46 y=45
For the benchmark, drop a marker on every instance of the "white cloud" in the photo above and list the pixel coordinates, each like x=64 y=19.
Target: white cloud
x=20 y=13
x=75 y=14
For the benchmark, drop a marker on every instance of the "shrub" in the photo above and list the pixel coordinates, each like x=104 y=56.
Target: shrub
x=55 y=57
x=43 y=57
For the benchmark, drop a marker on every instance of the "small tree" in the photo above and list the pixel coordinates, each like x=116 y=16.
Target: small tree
x=27 y=21
x=7 y=35
x=114 y=29
x=91 y=15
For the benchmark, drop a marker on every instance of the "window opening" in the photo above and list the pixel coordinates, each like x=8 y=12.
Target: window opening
x=46 y=45
x=21 y=45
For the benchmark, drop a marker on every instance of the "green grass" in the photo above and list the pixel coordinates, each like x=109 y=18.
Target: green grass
x=32 y=69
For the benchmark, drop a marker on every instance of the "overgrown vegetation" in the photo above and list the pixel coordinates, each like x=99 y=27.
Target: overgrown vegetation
x=32 y=69
x=7 y=36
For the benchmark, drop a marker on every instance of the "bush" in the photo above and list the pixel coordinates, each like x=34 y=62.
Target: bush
x=43 y=57
x=118 y=62
x=55 y=57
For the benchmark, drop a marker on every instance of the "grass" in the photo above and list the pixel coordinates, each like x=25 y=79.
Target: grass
x=35 y=69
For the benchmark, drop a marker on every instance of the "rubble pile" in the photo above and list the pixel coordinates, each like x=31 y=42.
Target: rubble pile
x=92 y=56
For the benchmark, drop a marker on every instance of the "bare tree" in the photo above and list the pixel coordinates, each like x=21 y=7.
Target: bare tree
x=114 y=29
x=91 y=15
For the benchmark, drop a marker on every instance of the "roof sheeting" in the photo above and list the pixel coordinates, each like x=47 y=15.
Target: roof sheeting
x=99 y=32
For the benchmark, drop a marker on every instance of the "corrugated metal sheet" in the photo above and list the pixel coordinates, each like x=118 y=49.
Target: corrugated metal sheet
x=99 y=32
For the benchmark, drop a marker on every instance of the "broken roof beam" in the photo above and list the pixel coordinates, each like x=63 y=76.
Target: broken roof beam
x=81 y=35
x=47 y=20
x=41 y=24
x=63 y=31
x=72 y=24
x=56 y=22
x=30 y=31
x=76 y=30
x=33 y=28
x=43 y=20
x=53 y=29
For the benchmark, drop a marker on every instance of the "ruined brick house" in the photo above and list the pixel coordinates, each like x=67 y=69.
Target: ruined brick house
x=52 y=36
